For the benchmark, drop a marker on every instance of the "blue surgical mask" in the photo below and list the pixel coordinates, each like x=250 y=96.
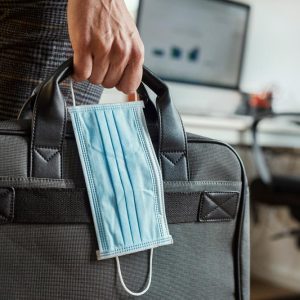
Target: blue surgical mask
x=123 y=180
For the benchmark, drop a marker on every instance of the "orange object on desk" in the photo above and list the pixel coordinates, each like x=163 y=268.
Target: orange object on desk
x=263 y=100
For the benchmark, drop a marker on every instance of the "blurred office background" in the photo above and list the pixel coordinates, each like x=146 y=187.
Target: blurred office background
x=252 y=68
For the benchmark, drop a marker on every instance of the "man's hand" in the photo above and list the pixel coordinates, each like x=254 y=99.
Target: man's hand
x=107 y=47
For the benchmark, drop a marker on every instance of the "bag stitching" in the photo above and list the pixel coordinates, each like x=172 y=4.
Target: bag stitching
x=204 y=218
x=185 y=149
x=170 y=160
x=187 y=183
x=147 y=154
x=33 y=146
x=90 y=179
x=35 y=179
x=49 y=158
x=183 y=193
x=46 y=147
x=218 y=206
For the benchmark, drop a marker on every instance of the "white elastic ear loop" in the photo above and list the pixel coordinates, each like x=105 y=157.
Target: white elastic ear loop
x=149 y=277
x=72 y=92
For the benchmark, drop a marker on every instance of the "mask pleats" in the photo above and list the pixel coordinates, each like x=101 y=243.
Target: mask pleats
x=116 y=218
x=100 y=153
x=122 y=176
x=139 y=172
x=127 y=209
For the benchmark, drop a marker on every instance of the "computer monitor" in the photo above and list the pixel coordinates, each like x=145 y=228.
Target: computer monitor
x=194 y=41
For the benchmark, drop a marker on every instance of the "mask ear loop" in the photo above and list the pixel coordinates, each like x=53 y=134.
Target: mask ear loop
x=72 y=92
x=117 y=258
x=149 y=277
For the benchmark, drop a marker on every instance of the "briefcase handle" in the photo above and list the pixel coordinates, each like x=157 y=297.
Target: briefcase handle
x=49 y=126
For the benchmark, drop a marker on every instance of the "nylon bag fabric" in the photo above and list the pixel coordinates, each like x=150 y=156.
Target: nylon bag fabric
x=47 y=239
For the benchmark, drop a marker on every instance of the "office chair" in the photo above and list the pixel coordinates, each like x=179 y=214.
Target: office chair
x=275 y=190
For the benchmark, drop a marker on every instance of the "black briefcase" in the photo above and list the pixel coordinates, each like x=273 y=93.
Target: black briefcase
x=47 y=239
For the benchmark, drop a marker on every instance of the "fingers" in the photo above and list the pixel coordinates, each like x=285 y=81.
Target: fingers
x=119 y=65
x=100 y=67
x=107 y=47
x=131 y=79
x=83 y=64
x=132 y=75
x=114 y=64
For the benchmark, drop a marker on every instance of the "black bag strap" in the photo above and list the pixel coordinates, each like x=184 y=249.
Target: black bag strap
x=71 y=206
x=149 y=111
x=49 y=125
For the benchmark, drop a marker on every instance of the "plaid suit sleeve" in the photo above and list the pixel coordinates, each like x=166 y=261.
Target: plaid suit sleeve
x=34 y=41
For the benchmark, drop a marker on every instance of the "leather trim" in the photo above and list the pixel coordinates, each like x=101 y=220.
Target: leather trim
x=174 y=166
x=25 y=205
x=218 y=206
x=49 y=127
x=7 y=198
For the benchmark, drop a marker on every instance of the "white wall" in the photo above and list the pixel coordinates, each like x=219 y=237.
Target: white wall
x=272 y=58
x=132 y=5
x=273 y=50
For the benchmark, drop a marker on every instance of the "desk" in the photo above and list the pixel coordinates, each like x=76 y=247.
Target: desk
x=273 y=261
x=236 y=130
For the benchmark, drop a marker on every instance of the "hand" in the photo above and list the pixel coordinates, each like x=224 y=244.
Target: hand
x=107 y=47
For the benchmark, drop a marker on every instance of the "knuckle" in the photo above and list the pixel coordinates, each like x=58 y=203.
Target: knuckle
x=118 y=87
x=118 y=46
x=122 y=50
x=138 y=55
x=105 y=49
x=142 y=48
x=126 y=49
x=122 y=88
x=109 y=84
x=94 y=80
x=126 y=91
